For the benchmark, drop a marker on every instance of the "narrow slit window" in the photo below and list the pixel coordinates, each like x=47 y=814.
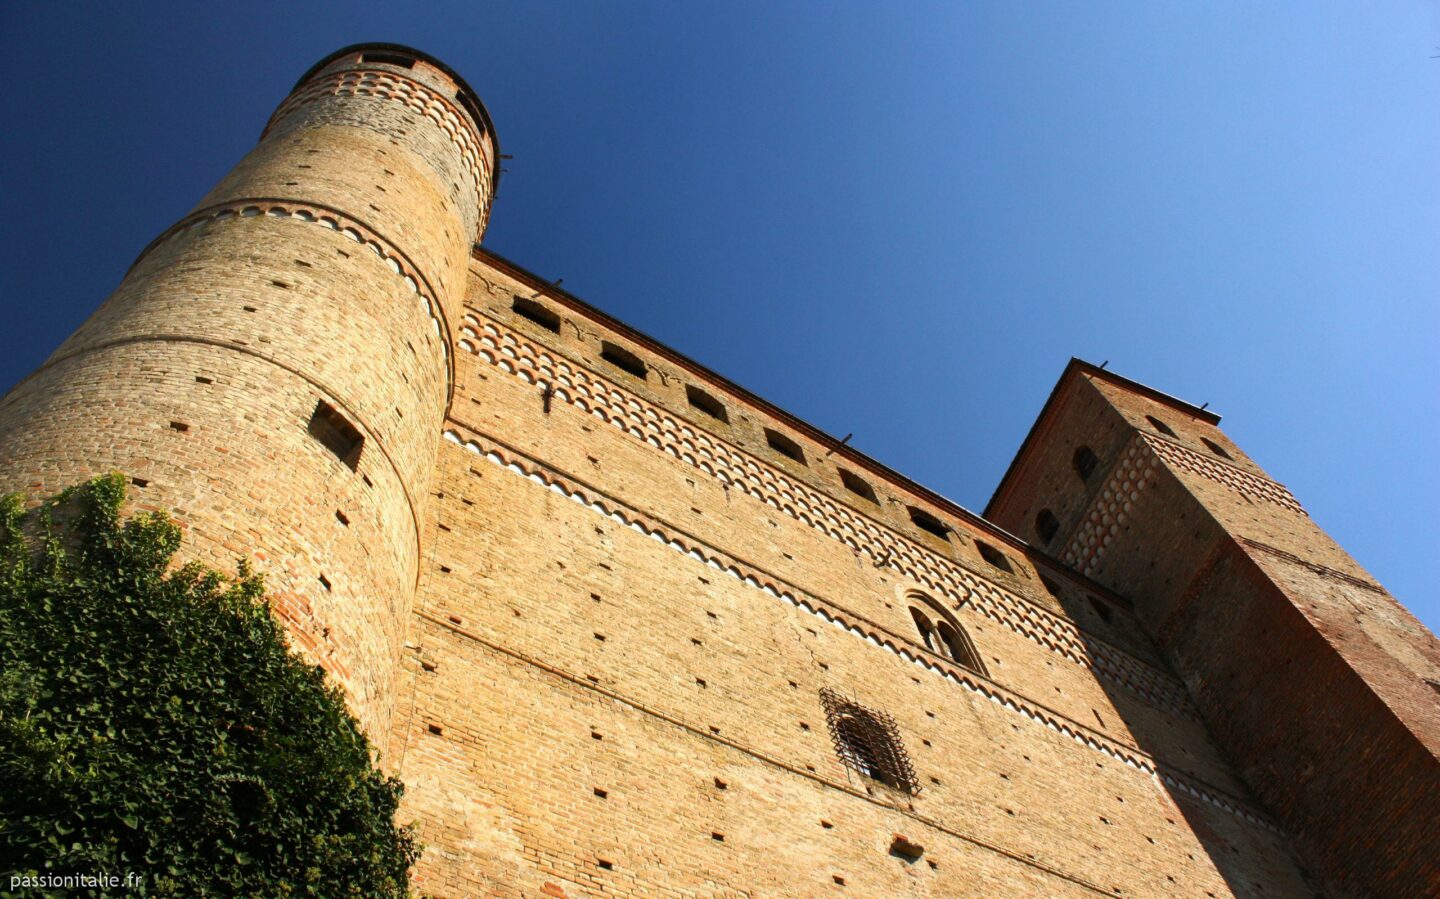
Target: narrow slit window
x=858 y=486
x=623 y=359
x=994 y=556
x=929 y=523
x=1160 y=426
x=706 y=403
x=335 y=432
x=784 y=446
x=1085 y=462
x=1047 y=526
x=532 y=311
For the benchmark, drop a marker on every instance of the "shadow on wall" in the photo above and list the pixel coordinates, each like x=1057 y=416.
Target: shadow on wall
x=1242 y=839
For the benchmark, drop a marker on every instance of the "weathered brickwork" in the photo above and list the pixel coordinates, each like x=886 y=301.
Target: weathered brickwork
x=1317 y=684
x=586 y=596
x=327 y=267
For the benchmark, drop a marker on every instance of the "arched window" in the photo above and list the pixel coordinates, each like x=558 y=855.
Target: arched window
x=1085 y=462
x=942 y=634
x=956 y=645
x=868 y=742
x=1160 y=426
x=925 y=629
x=1047 y=525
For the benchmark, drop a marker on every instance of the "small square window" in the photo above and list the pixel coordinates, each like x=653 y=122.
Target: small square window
x=994 y=556
x=784 y=446
x=623 y=359
x=529 y=309
x=337 y=434
x=858 y=486
x=929 y=523
x=1215 y=448
x=706 y=403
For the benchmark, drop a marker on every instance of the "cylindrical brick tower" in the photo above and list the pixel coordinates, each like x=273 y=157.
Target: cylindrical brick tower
x=275 y=368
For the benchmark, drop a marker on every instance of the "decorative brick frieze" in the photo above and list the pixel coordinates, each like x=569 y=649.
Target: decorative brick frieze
x=501 y=347
x=389 y=86
x=1221 y=472
x=846 y=620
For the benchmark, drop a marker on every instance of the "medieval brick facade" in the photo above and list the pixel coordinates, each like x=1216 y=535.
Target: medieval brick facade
x=624 y=628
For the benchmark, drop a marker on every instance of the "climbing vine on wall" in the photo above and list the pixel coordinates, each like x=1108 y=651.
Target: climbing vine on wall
x=153 y=723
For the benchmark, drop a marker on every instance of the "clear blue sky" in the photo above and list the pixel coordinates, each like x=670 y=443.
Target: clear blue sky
x=893 y=219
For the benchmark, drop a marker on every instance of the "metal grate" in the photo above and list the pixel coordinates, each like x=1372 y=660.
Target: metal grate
x=868 y=741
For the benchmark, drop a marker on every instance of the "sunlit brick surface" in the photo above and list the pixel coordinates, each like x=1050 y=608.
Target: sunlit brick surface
x=587 y=615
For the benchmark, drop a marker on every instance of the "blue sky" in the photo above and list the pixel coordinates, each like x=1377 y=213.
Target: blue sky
x=897 y=220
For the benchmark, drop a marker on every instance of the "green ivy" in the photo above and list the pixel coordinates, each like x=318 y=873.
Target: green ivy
x=152 y=721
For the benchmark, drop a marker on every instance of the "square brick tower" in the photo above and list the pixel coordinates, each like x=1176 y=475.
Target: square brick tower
x=625 y=628
x=1319 y=686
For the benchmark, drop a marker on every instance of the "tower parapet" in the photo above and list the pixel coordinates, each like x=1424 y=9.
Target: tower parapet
x=275 y=368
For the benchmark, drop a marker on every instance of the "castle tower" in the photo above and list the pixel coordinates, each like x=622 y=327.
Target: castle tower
x=1320 y=687
x=274 y=369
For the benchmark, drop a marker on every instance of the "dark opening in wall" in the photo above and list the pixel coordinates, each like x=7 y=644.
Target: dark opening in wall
x=927 y=522
x=868 y=742
x=902 y=848
x=336 y=433
x=1047 y=526
x=858 y=486
x=1215 y=448
x=706 y=403
x=1085 y=461
x=389 y=59
x=623 y=359
x=1101 y=609
x=1160 y=426
x=994 y=556
x=529 y=309
x=784 y=446
x=943 y=635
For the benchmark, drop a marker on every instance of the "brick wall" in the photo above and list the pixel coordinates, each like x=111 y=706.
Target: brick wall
x=1312 y=678
x=324 y=268
x=623 y=593
x=585 y=595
